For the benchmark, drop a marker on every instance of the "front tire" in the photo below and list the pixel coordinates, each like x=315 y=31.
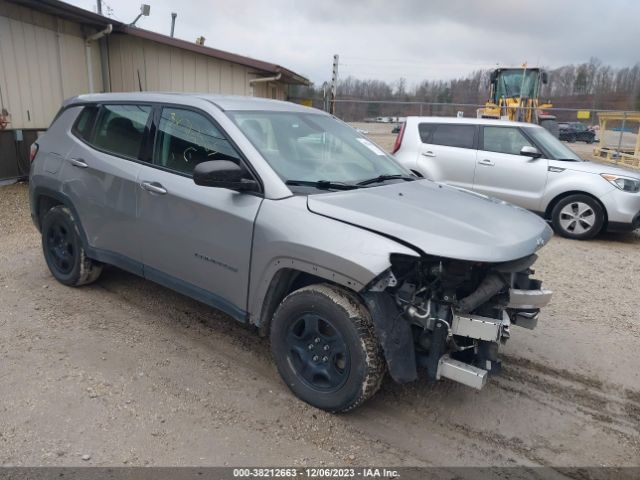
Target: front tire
x=577 y=216
x=325 y=348
x=63 y=249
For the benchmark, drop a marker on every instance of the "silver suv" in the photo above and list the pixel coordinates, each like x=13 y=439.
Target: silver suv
x=523 y=164
x=290 y=221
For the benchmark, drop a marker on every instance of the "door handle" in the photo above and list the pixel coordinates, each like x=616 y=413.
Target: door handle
x=153 y=187
x=78 y=162
x=487 y=162
x=428 y=154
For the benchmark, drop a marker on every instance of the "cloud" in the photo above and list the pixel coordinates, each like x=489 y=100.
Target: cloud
x=414 y=39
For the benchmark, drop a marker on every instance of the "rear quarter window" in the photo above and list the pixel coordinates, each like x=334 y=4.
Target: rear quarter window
x=85 y=121
x=460 y=136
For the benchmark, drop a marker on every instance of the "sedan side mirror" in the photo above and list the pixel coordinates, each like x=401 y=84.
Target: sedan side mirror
x=532 y=152
x=224 y=174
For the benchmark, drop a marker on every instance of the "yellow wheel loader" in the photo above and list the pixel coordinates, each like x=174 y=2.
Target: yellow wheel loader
x=514 y=95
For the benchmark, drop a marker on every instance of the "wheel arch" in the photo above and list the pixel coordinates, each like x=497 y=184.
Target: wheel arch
x=289 y=279
x=44 y=199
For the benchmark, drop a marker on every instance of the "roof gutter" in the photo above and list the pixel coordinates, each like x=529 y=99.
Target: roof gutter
x=87 y=47
x=264 y=79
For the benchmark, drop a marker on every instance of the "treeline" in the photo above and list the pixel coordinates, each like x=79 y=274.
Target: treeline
x=591 y=85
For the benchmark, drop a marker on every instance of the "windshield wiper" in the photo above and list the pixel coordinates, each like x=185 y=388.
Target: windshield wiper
x=382 y=178
x=322 y=184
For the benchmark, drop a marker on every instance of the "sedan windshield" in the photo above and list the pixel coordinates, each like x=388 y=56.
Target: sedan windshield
x=317 y=150
x=554 y=147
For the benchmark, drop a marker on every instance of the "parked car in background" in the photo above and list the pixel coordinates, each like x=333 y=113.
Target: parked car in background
x=523 y=164
x=290 y=221
x=575 y=131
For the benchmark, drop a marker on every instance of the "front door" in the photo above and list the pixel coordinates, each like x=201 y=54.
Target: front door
x=197 y=239
x=503 y=173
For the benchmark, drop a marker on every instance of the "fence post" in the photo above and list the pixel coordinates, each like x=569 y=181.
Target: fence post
x=624 y=119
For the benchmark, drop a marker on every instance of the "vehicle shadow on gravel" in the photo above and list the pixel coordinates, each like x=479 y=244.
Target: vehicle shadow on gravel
x=181 y=313
x=626 y=237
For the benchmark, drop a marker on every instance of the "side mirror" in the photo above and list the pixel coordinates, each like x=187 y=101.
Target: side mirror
x=223 y=174
x=545 y=78
x=532 y=152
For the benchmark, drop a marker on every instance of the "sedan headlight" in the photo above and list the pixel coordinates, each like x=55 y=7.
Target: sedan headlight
x=626 y=184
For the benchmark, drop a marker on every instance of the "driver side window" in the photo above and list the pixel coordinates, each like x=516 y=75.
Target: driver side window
x=186 y=138
x=504 y=140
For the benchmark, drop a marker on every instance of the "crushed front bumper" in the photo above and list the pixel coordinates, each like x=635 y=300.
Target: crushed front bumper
x=521 y=310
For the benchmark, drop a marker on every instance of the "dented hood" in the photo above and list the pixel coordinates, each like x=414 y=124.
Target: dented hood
x=439 y=220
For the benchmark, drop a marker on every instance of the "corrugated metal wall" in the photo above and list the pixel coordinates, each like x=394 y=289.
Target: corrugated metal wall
x=136 y=62
x=42 y=62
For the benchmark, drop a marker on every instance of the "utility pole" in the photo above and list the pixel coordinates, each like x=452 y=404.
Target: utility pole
x=334 y=84
x=99 y=5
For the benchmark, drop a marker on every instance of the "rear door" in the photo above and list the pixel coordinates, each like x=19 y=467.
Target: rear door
x=197 y=239
x=100 y=175
x=447 y=153
x=503 y=173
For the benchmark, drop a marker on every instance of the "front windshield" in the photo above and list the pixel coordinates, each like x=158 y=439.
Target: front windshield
x=510 y=83
x=311 y=147
x=554 y=147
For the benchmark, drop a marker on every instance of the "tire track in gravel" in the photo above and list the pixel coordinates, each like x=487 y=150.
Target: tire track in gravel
x=580 y=402
x=613 y=406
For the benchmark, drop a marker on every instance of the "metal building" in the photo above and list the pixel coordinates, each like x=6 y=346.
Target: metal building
x=50 y=50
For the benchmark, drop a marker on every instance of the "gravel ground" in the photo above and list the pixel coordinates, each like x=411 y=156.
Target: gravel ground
x=125 y=372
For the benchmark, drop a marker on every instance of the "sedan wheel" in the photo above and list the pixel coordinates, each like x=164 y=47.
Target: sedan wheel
x=578 y=216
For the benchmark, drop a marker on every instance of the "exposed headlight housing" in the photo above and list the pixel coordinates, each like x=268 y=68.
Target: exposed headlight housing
x=626 y=184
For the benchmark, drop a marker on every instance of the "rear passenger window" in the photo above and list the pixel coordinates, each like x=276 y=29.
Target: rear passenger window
x=85 y=121
x=120 y=129
x=460 y=136
x=186 y=138
x=504 y=140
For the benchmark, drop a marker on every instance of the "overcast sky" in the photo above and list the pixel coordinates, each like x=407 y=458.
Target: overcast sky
x=389 y=39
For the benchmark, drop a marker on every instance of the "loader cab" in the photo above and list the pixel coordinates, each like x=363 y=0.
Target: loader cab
x=516 y=83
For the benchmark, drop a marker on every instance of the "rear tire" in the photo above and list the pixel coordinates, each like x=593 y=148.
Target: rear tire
x=325 y=348
x=63 y=249
x=577 y=216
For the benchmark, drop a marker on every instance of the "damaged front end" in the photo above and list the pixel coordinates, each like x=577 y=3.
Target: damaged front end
x=450 y=316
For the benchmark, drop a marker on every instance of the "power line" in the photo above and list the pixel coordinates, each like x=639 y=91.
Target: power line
x=378 y=61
